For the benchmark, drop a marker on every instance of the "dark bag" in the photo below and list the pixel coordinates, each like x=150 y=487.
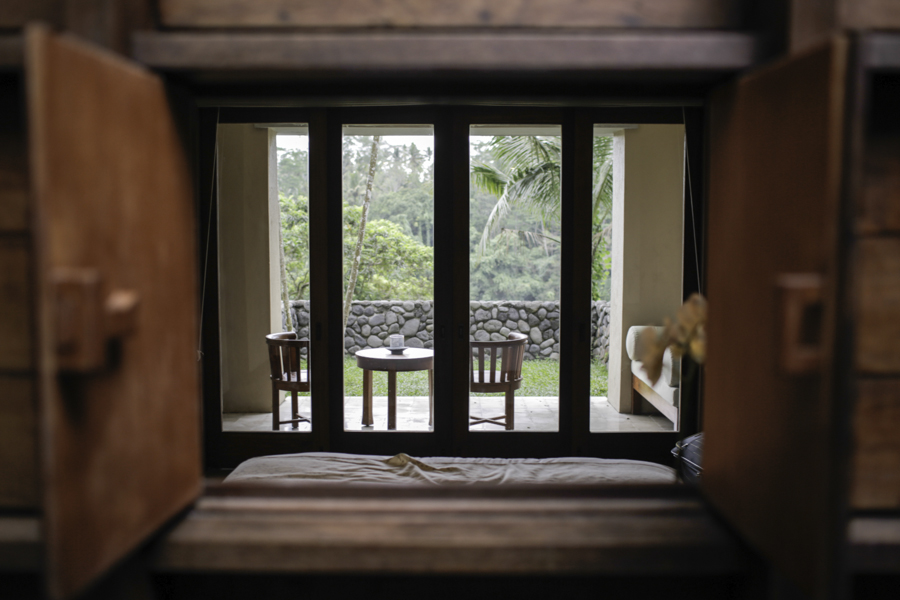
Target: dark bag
x=688 y=455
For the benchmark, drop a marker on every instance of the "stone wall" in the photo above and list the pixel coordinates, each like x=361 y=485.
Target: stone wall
x=600 y=331
x=538 y=320
x=370 y=323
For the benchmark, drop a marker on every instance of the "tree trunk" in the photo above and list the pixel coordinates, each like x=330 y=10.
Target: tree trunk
x=354 y=266
x=285 y=300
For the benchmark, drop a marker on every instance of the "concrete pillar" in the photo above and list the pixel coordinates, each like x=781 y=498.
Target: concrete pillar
x=647 y=245
x=249 y=280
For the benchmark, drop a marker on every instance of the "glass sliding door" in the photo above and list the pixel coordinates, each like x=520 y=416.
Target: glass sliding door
x=636 y=274
x=388 y=277
x=263 y=228
x=514 y=279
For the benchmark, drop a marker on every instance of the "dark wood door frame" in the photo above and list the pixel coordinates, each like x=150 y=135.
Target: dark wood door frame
x=451 y=435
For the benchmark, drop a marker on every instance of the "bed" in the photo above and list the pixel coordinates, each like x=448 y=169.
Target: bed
x=360 y=469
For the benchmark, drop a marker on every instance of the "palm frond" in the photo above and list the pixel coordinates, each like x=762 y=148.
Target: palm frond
x=536 y=188
x=530 y=238
x=491 y=180
x=498 y=213
x=602 y=193
x=519 y=151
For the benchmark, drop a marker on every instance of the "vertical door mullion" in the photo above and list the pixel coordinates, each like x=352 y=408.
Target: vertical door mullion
x=325 y=274
x=445 y=282
x=575 y=280
x=693 y=266
x=458 y=169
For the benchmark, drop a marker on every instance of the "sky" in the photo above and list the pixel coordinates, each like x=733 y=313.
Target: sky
x=301 y=142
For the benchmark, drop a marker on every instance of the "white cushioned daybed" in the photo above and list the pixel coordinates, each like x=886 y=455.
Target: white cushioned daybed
x=330 y=467
x=664 y=395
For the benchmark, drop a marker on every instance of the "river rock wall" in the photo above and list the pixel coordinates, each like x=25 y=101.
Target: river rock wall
x=370 y=323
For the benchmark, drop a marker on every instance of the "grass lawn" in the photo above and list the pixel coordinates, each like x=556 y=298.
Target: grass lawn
x=541 y=378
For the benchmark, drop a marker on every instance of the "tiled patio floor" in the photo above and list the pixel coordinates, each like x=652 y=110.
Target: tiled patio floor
x=532 y=414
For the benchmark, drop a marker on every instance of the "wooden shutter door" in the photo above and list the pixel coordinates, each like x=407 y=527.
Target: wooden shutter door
x=771 y=457
x=116 y=275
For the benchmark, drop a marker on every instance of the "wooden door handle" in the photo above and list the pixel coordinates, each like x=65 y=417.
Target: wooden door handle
x=800 y=297
x=85 y=321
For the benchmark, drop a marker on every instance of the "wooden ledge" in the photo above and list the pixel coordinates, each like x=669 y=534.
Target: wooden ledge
x=881 y=51
x=21 y=548
x=874 y=543
x=413 y=52
x=691 y=14
x=400 y=533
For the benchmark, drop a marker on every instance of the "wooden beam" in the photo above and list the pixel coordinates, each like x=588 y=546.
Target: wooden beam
x=14 y=14
x=869 y=14
x=446 y=52
x=107 y=24
x=693 y=14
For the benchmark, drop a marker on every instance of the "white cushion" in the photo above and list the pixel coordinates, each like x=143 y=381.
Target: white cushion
x=671 y=369
x=632 y=344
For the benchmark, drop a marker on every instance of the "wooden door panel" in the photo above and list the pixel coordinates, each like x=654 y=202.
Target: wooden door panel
x=19 y=487
x=121 y=452
x=16 y=311
x=875 y=483
x=877 y=306
x=775 y=176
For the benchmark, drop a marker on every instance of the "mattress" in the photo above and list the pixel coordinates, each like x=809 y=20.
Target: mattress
x=364 y=469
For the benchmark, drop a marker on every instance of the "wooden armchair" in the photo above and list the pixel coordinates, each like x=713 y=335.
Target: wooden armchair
x=492 y=375
x=285 y=352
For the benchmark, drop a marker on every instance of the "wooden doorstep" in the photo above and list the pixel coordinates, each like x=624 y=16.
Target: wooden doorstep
x=440 y=51
x=406 y=534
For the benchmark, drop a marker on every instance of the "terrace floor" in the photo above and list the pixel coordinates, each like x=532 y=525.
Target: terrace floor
x=532 y=414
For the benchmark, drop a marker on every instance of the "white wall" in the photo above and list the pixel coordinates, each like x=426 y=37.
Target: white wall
x=249 y=281
x=648 y=198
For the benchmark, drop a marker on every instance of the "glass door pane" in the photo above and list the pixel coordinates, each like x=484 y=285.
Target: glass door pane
x=263 y=230
x=636 y=245
x=388 y=246
x=603 y=416
x=514 y=216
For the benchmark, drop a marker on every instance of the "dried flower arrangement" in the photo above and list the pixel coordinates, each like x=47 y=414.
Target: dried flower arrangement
x=685 y=335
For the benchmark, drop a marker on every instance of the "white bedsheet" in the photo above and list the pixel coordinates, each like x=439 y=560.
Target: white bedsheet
x=403 y=469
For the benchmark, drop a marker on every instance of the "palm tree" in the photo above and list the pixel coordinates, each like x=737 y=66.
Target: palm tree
x=527 y=177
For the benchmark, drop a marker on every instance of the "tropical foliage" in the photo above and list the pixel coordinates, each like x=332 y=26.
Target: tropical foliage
x=394 y=266
x=514 y=214
x=523 y=174
x=397 y=255
x=295 y=243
